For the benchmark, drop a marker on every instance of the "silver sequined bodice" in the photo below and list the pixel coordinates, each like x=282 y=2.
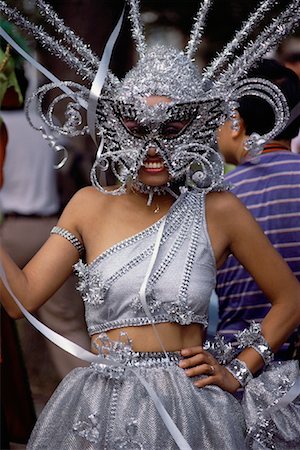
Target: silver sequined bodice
x=181 y=281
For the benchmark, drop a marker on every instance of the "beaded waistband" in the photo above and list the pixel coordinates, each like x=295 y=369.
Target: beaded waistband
x=138 y=360
x=147 y=359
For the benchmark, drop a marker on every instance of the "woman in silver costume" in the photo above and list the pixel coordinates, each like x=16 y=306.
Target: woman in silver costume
x=149 y=248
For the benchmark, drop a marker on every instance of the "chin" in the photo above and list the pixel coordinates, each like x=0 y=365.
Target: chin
x=154 y=183
x=159 y=179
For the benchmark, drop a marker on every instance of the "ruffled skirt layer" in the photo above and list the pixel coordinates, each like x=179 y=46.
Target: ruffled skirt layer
x=104 y=408
x=271 y=404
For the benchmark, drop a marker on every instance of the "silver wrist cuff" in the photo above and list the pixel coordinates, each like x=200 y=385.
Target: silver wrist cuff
x=252 y=337
x=240 y=371
x=70 y=237
x=262 y=347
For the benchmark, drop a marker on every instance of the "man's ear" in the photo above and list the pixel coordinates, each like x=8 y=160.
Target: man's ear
x=238 y=128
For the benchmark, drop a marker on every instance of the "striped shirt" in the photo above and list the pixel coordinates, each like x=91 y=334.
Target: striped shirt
x=271 y=191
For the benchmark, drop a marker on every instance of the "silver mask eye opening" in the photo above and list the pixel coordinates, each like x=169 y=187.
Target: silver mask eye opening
x=135 y=128
x=174 y=128
x=167 y=130
x=167 y=122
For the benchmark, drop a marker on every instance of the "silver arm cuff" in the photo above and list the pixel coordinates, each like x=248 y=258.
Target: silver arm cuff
x=252 y=337
x=70 y=237
x=240 y=371
x=262 y=347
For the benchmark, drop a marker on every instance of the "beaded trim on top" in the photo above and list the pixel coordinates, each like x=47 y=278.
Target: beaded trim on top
x=186 y=219
x=140 y=321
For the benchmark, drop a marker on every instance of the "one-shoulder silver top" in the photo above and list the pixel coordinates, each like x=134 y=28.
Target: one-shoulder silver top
x=181 y=281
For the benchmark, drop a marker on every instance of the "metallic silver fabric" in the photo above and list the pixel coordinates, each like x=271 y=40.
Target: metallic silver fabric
x=181 y=282
x=268 y=427
x=253 y=337
x=172 y=73
x=107 y=408
x=240 y=371
x=94 y=409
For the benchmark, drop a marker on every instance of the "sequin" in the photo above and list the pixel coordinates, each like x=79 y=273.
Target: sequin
x=88 y=429
x=129 y=440
x=181 y=245
x=91 y=285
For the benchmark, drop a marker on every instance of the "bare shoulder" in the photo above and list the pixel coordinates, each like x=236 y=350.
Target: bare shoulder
x=86 y=194
x=81 y=209
x=230 y=225
x=91 y=194
x=227 y=217
x=223 y=205
x=82 y=200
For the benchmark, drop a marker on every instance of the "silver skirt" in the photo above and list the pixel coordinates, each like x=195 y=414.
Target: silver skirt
x=98 y=407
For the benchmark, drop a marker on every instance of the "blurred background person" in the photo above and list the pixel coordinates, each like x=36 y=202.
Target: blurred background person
x=31 y=199
x=270 y=188
x=30 y=205
x=288 y=54
x=8 y=80
x=17 y=410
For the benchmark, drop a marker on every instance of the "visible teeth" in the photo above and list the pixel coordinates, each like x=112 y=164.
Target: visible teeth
x=153 y=165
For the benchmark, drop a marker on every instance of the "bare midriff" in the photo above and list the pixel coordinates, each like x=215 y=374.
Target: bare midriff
x=173 y=336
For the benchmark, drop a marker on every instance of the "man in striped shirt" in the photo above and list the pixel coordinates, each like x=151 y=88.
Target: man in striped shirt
x=270 y=189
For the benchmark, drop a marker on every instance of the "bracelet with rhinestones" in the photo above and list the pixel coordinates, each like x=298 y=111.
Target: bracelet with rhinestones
x=240 y=371
x=70 y=237
x=262 y=347
x=252 y=337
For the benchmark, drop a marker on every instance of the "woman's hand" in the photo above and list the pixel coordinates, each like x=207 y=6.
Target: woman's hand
x=200 y=362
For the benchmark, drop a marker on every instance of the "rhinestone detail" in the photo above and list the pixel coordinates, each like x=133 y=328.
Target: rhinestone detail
x=70 y=237
x=92 y=284
x=89 y=428
x=129 y=440
x=175 y=208
x=140 y=321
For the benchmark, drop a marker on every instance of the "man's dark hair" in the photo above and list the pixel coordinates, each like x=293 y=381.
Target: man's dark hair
x=257 y=114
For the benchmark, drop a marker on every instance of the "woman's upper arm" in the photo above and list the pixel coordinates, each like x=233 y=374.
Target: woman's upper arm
x=53 y=263
x=252 y=248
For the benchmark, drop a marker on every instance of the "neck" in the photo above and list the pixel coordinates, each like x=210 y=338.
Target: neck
x=150 y=204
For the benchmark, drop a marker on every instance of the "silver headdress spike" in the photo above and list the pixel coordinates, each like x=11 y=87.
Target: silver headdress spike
x=197 y=29
x=54 y=46
x=75 y=42
x=171 y=73
x=137 y=28
x=223 y=59
x=266 y=40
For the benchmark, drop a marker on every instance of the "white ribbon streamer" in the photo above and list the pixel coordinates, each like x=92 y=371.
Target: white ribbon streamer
x=85 y=355
x=142 y=291
x=168 y=421
x=57 y=339
x=99 y=79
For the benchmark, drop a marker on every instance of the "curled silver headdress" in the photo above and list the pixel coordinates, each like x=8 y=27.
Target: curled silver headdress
x=201 y=101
